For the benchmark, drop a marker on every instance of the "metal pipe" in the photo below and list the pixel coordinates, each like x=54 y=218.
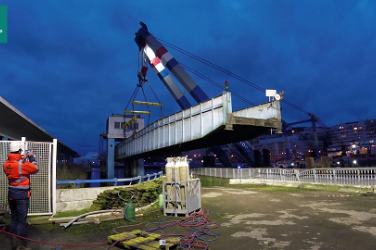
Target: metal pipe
x=84 y=215
x=138 y=112
x=158 y=104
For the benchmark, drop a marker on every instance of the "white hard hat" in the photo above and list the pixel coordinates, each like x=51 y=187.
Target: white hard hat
x=14 y=146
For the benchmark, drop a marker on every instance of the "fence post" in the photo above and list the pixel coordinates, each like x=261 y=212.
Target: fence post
x=115 y=181
x=140 y=179
x=335 y=176
x=53 y=173
x=77 y=183
x=314 y=175
x=358 y=172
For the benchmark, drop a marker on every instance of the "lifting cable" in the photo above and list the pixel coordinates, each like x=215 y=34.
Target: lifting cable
x=227 y=72
x=141 y=74
x=216 y=84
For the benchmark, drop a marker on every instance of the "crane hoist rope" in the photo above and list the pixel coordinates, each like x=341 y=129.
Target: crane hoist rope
x=141 y=81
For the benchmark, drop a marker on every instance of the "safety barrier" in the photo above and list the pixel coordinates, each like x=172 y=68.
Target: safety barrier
x=139 y=179
x=333 y=176
x=43 y=193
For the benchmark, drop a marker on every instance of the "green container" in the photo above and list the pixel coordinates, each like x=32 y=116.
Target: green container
x=129 y=211
x=160 y=201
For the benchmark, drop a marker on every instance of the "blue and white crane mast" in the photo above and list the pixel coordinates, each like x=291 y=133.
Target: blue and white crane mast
x=159 y=57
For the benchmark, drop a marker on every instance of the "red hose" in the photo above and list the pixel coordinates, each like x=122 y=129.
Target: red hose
x=56 y=244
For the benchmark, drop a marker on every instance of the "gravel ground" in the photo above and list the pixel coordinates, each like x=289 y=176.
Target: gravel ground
x=252 y=219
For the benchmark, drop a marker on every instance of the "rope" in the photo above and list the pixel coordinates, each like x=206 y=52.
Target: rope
x=141 y=81
x=227 y=72
x=147 y=81
x=143 y=92
x=132 y=97
x=216 y=84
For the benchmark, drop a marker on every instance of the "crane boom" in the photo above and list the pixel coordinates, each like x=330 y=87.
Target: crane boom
x=159 y=56
x=166 y=78
x=145 y=39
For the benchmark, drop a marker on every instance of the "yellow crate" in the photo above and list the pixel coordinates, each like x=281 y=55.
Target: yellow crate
x=138 y=239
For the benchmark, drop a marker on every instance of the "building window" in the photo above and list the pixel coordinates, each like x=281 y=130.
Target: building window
x=132 y=126
x=117 y=125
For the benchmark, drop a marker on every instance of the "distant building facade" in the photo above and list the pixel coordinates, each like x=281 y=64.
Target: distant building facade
x=356 y=137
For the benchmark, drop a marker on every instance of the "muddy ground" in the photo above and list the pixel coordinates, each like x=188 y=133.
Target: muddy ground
x=253 y=218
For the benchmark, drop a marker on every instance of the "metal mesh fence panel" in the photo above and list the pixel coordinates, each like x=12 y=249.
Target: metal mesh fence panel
x=4 y=149
x=40 y=183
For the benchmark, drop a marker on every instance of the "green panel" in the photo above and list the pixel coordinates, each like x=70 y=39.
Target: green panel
x=3 y=24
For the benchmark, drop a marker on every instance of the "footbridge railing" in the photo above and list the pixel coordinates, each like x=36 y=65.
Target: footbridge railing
x=115 y=181
x=333 y=176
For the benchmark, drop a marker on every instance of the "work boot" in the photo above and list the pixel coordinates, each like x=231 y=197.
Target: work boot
x=14 y=243
x=21 y=245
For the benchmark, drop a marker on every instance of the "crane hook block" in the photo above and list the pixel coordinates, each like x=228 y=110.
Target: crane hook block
x=144 y=70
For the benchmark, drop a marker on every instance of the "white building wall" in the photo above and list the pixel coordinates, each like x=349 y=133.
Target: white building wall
x=115 y=126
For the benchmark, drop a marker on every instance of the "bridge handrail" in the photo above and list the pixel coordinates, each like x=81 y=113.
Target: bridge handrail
x=140 y=179
x=335 y=176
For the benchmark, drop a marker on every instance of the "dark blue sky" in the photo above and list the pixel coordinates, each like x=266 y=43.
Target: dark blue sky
x=68 y=65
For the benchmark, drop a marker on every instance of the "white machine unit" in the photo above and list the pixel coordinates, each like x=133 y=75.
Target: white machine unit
x=181 y=194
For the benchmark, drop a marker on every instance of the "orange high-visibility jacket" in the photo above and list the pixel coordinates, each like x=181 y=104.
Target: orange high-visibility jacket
x=18 y=172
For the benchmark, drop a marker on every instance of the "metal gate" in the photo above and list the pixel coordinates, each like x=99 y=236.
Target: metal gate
x=42 y=184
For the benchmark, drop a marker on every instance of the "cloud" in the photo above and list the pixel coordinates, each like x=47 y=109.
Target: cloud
x=69 y=65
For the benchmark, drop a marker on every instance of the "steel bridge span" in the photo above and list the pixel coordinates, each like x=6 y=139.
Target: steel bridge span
x=204 y=125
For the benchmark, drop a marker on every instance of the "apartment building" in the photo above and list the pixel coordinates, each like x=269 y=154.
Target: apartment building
x=357 y=137
x=300 y=142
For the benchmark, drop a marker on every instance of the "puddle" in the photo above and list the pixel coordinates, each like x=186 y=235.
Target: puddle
x=261 y=235
x=371 y=230
x=275 y=200
x=287 y=215
x=211 y=195
x=270 y=222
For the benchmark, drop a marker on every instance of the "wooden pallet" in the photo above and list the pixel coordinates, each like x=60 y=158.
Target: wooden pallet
x=138 y=239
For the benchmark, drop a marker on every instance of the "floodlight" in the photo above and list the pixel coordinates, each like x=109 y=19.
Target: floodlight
x=270 y=92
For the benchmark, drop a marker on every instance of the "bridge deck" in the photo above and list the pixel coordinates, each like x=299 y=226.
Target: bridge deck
x=207 y=124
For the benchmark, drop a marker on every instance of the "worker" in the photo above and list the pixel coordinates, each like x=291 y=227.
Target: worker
x=18 y=168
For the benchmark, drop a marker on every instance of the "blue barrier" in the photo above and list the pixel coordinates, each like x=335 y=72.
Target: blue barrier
x=95 y=175
x=140 y=179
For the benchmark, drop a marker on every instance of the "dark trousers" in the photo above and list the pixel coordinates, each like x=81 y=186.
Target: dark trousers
x=18 y=209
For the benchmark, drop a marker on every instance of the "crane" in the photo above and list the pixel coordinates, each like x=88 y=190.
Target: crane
x=313 y=120
x=159 y=57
